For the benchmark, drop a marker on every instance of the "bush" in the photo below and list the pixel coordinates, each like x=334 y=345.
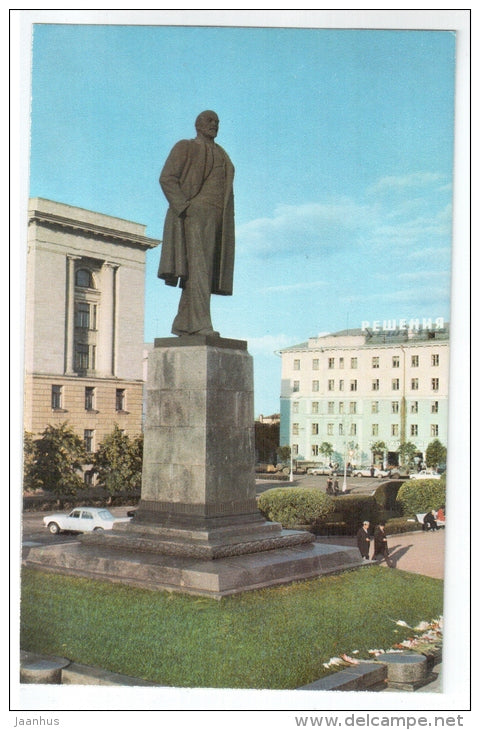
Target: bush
x=421 y=495
x=292 y=507
x=400 y=524
x=354 y=509
x=386 y=495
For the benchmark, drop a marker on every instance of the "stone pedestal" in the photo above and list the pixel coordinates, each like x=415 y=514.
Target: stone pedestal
x=197 y=527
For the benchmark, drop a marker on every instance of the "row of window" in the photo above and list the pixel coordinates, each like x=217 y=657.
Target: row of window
x=57 y=398
x=414 y=385
x=414 y=362
x=352 y=430
x=352 y=406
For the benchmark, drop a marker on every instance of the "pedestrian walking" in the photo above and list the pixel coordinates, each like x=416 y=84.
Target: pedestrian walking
x=380 y=545
x=336 y=489
x=329 y=485
x=363 y=540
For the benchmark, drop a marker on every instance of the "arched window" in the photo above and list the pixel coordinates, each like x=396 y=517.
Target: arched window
x=84 y=278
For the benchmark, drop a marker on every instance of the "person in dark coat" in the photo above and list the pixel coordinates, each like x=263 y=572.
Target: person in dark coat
x=198 y=247
x=363 y=540
x=429 y=521
x=380 y=545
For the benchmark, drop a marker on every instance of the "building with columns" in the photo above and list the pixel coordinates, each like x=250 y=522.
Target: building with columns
x=354 y=388
x=84 y=321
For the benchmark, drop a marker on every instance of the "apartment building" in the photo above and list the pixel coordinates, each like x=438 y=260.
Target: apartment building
x=354 y=388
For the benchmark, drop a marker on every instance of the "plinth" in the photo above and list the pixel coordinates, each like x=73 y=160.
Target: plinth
x=197 y=528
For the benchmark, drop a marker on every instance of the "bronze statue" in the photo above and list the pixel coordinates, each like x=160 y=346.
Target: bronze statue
x=199 y=236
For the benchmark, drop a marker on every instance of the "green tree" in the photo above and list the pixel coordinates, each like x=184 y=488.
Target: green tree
x=378 y=447
x=407 y=452
x=266 y=441
x=59 y=457
x=118 y=462
x=31 y=481
x=435 y=454
x=283 y=453
x=326 y=449
x=421 y=495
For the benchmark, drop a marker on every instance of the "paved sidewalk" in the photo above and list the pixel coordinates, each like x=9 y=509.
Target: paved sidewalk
x=416 y=552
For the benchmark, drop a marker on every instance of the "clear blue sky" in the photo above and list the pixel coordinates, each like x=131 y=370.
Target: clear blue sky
x=342 y=142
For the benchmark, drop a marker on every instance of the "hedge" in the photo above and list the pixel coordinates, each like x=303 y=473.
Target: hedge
x=354 y=509
x=386 y=495
x=293 y=506
x=421 y=495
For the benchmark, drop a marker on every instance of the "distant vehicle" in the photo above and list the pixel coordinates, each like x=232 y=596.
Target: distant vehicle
x=367 y=472
x=82 y=519
x=425 y=474
x=321 y=470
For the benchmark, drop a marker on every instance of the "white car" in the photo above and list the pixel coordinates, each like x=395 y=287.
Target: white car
x=82 y=519
x=367 y=472
x=321 y=470
x=425 y=474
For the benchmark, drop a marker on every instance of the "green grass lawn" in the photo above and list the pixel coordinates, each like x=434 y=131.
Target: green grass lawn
x=275 y=638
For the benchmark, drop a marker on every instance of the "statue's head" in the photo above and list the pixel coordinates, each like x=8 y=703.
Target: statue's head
x=207 y=123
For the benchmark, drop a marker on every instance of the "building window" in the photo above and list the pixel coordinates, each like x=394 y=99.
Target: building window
x=353 y=385
x=340 y=429
x=88 y=440
x=315 y=364
x=395 y=406
x=414 y=384
x=413 y=429
x=435 y=406
x=375 y=362
x=374 y=406
x=396 y=361
x=353 y=406
x=354 y=363
x=414 y=361
x=353 y=429
x=374 y=429
x=331 y=363
x=296 y=364
x=315 y=386
x=84 y=279
x=435 y=360
x=434 y=429
x=295 y=429
x=341 y=362
x=57 y=397
x=296 y=386
x=341 y=407
x=86 y=315
x=414 y=406
x=329 y=429
x=84 y=357
x=88 y=477
x=120 y=399
x=315 y=451
x=295 y=449
x=331 y=385
x=376 y=384
x=331 y=406
x=314 y=429
x=340 y=385
x=315 y=406
x=435 y=383
x=395 y=384
x=295 y=406
x=89 y=399
x=394 y=429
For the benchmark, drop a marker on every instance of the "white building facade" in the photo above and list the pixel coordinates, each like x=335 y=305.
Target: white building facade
x=352 y=389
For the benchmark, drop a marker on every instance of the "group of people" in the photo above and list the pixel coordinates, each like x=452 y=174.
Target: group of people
x=379 y=538
x=332 y=486
x=433 y=519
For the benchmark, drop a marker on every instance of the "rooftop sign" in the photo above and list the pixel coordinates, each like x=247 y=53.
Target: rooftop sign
x=394 y=325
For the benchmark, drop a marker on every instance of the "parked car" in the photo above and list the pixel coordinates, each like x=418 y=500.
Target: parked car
x=82 y=519
x=321 y=471
x=367 y=472
x=425 y=474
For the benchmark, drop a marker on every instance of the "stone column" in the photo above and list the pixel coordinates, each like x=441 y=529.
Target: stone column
x=70 y=316
x=105 y=355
